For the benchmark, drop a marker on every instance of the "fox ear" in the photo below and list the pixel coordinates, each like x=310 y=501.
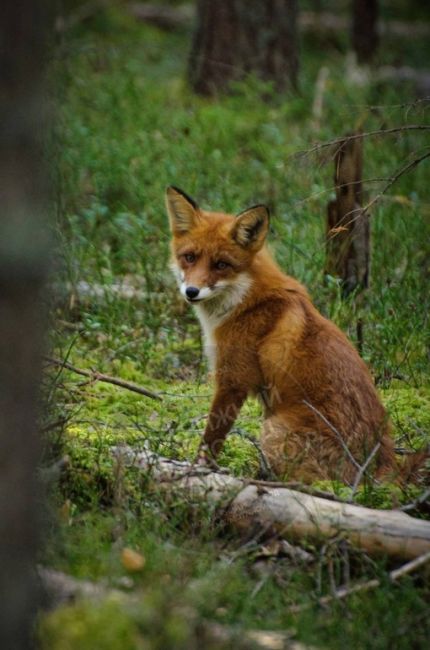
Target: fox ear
x=182 y=211
x=251 y=227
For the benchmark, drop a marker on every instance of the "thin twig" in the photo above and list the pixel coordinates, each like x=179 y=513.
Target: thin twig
x=336 y=432
x=294 y=485
x=53 y=425
x=422 y=498
x=372 y=107
x=265 y=469
x=331 y=189
x=359 y=212
x=99 y=376
x=363 y=468
x=356 y=136
x=344 y=592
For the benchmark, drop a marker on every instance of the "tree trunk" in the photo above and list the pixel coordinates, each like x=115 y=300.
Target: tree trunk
x=348 y=232
x=365 y=38
x=257 y=509
x=23 y=257
x=237 y=37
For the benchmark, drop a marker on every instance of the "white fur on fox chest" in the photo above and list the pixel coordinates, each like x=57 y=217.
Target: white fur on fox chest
x=209 y=323
x=212 y=314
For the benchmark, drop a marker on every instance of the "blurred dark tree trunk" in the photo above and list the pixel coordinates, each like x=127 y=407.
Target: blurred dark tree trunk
x=23 y=254
x=237 y=37
x=365 y=38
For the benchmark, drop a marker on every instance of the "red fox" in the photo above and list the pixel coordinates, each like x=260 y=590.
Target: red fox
x=323 y=418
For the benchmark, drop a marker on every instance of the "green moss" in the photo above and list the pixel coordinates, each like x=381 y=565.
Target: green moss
x=409 y=409
x=87 y=627
x=155 y=623
x=109 y=416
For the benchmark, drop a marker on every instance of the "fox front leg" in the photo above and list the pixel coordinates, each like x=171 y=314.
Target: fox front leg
x=224 y=410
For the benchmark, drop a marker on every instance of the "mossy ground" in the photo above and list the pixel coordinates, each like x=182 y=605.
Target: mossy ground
x=127 y=127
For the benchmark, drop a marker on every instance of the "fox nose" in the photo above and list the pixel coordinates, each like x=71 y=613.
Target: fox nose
x=192 y=292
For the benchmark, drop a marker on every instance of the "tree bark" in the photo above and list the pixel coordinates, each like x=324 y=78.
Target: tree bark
x=236 y=37
x=23 y=256
x=288 y=513
x=365 y=37
x=348 y=231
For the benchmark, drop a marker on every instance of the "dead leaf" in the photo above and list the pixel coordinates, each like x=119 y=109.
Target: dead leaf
x=337 y=229
x=132 y=560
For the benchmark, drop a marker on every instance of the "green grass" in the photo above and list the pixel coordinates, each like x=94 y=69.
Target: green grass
x=127 y=127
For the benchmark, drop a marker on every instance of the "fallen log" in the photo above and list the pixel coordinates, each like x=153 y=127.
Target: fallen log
x=324 y=22
x=288 y=513
x=321 y=22
x=164 y=17
x=61 y=589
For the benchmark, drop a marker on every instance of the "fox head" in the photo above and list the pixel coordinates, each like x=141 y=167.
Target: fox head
x=213 y=251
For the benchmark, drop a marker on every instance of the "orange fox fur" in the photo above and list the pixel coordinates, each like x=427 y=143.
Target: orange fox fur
x=322 y=414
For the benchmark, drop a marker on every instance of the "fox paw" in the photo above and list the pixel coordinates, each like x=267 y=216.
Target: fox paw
x=205 y=458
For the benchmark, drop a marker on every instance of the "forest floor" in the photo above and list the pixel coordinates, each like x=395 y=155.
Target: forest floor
x=128 y=126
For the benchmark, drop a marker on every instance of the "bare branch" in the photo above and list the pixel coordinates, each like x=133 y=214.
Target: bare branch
x=363 y=468
x=344 y=592
x=367 y=134
x=99 y=376
x=422 y=498
x=336 y=432
x=403 y=170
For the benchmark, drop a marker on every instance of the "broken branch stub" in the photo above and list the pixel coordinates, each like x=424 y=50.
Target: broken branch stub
x=348 y=234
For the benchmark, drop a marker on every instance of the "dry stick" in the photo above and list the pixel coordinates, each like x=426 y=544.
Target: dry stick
x=336 y=432
x=99 y=376
x=356 y=136
x=315 y=195
x=344 y=592
x=294 y=485
x=373 y=107
x=362 y=470
x=361 y=211
x=53 y=425
x=422 y=498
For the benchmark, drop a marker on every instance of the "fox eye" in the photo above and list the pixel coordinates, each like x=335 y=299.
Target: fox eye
x=190 y=258
x=220 y=265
